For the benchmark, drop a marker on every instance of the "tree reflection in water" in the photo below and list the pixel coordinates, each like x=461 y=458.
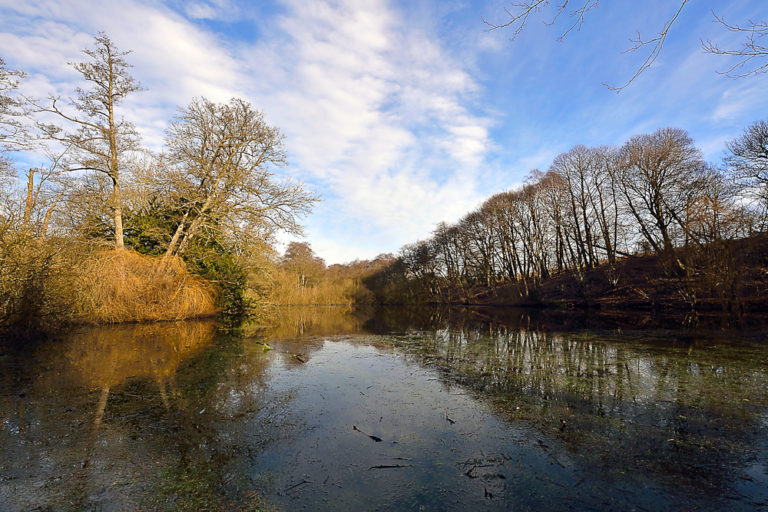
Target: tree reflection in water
x=175 y=416
x=123 y=404
x=625 y=407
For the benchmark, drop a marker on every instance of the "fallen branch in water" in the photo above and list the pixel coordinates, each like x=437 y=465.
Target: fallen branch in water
x=390 y=466
x=377 y=439
x=294 y=486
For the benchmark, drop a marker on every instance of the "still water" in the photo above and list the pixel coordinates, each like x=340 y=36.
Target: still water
x=333 y=409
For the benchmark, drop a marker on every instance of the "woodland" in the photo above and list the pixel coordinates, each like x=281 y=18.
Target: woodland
x=109 y=231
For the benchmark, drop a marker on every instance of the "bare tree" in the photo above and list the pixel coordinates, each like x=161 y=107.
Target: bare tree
x=748 y=154
x=12 y=133
x=98 y=138
x=747 y=162
x=222 y=156
x=657 y=179
x=715 y=213
x=300 y=259
x=578 y=168
x=591 y=207
x=752 y=52
x=44 y=191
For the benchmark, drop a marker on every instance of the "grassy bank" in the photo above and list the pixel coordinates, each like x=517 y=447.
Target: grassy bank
x=47 y=284
x=125 y=286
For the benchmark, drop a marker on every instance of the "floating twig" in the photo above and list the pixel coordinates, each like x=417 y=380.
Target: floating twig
x=295 y=486
x=377 y=439
x=390 y=466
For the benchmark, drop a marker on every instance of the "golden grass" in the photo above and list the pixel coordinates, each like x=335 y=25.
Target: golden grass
x=36 y=281
x=284 y=289
x=125 y=286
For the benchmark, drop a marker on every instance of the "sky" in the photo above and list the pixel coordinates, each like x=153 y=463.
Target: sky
x=402 y=114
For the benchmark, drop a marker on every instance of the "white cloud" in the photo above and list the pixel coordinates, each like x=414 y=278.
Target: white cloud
x=739 y=98
x=375 y=112
x=174 y=60
x=216 y=10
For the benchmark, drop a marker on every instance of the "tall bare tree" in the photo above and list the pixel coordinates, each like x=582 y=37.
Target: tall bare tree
x=578 y=167
x=748 y=154
x=747 y=162
x=657 y=179
x=90 y=125
x=222 y=156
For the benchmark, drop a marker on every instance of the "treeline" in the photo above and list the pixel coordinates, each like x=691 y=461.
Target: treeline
x=108 y=230
x=300 y=277
x=591 y=209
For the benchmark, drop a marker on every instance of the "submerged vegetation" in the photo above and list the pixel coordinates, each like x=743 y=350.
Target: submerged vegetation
x=525 y=405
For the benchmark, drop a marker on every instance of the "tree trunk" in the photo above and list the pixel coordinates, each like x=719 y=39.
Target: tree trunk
x=175 y=240
x=29 y=202
x=118 y=213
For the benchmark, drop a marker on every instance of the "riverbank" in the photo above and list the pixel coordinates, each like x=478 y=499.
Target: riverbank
x=53 y=286
x=103 y=286
x=730 y=277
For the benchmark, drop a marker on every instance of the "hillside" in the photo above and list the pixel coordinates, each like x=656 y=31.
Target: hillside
x=730 y=276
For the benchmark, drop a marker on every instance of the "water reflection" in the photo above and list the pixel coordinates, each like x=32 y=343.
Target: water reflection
x=108 y=357
x=121 y=405
x=301 y=322
x=695 y=415
x=496 y=409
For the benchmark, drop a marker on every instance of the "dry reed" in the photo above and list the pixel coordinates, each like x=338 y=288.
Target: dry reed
x=125 y=286
x=285 y=289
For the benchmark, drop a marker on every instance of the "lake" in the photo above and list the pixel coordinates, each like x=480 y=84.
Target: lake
x=387 y=409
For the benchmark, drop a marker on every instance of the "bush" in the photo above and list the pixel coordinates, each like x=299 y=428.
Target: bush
x=36 y=282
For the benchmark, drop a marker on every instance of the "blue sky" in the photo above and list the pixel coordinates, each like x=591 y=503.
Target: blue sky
x=403 y=114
